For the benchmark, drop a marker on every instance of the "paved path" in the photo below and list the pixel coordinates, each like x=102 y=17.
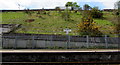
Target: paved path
x=52 y=51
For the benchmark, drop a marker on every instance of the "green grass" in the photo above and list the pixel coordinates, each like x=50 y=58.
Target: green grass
x=13 y=17
x=53 y=24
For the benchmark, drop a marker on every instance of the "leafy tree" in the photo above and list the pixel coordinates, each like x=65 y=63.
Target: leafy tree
x=66 y=13
x=86 y=7
x=68 y=4
x=57 y=9
x=73 y=5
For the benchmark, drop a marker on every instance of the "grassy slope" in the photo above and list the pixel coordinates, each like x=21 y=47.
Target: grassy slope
x=13 y=17
x=52 y=24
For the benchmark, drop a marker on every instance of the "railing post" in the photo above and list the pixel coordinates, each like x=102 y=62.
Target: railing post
x=106 y=42
x=118 y=40
x=1 y=42
x=51 y=40
x=15 y=45
x=68 y=41
x=87 y=38
x=33 y=42
x=46 y=41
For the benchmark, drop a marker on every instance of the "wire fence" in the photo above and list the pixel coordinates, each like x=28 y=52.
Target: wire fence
x=59 y=42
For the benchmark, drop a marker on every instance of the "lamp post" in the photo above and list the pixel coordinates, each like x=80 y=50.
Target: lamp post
x=67 y=32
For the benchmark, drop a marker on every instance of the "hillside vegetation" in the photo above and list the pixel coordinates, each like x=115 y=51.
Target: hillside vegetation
x=52 y=22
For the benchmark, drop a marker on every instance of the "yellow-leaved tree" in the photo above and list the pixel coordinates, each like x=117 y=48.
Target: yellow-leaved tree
x=87 y=27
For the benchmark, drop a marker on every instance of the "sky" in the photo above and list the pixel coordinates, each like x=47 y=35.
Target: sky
x=51 y=4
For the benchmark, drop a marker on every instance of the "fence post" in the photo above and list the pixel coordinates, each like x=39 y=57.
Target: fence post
x=87 y=41
x=15 y=45
x=68 y=41
x=106 y=42
x=1 y=41
x=51 y=40
x=118 y=40
x=33 y=40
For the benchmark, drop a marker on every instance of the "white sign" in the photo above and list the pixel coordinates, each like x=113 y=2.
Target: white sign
x=67 y=30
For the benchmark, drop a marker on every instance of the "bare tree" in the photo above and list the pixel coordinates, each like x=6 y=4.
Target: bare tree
x=117 y=13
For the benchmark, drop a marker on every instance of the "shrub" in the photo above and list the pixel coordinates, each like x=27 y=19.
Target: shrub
x=28 y=12
x=88 y=27
x=66 y=15
x=95 y=13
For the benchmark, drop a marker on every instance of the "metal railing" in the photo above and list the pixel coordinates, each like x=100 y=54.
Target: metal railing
x=59 y=42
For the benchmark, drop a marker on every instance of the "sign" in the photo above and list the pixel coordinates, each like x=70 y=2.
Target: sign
x=67 y=30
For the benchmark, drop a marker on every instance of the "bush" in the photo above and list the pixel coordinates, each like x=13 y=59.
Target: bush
x=96 y=13
x=66 y=16
x=29 y=12
x=88 y=27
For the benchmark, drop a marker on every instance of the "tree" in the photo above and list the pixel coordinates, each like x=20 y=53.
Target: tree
x=117 y=7
x=86 y=7
x=57 y=9
x=87 y=25
x=96 y=13
x=68 y=4
x=73 y=5
x=96 y=8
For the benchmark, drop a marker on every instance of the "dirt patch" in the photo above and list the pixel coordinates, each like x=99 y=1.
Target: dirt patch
x=29 y=20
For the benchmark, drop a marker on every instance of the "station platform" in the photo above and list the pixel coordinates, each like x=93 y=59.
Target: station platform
x=52 y=51
x=66 y=56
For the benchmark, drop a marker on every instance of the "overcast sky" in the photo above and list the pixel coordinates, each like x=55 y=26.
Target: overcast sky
x=38 y=4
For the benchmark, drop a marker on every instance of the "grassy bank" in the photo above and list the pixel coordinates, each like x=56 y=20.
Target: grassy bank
x=53 y=23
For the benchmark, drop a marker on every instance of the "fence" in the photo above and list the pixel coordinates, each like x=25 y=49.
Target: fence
x=59 y=42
